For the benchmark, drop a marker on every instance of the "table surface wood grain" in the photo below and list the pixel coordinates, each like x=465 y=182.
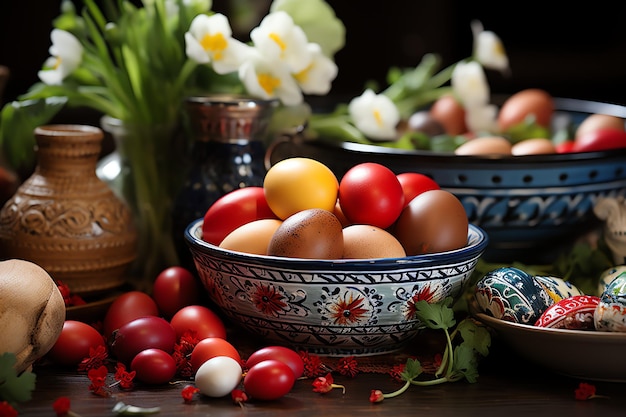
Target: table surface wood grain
x=507 y=386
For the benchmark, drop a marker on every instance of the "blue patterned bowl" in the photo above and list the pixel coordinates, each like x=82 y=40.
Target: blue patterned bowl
x=331 y=307
x=528 y=205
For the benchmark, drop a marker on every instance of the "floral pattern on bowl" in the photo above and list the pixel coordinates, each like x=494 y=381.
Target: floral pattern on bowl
x=331 y=307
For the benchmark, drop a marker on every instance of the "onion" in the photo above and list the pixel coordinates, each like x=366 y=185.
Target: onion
x=32 y=311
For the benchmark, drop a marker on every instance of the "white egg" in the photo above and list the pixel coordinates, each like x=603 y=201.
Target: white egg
x=218 y=376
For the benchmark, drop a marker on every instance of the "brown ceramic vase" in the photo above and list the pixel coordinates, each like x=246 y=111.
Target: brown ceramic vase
x=67 y=220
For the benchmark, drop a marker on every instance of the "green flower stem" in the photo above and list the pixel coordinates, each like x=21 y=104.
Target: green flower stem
x=450 y=352
x=184 y=75
x=398 y=392
x=151 y=197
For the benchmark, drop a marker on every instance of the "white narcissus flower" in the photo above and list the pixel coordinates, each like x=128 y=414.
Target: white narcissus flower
x=469 y=83
x=67 y=52
x=375 y=115
x=318 y=76
x=267 y=79
x=279 y=39
x=489 y=49
x=209 y=40
x=482 y=118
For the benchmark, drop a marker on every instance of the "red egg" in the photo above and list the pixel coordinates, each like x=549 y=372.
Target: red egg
x=234 y=209
x=573 y=313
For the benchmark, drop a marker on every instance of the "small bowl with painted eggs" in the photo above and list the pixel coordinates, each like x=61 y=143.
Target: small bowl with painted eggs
x=531 y=203
x=333 y=268
x=550 y=322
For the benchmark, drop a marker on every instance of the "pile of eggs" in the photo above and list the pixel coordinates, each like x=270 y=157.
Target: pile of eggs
x=303 y=211
x=510 y=294
x=525 y=125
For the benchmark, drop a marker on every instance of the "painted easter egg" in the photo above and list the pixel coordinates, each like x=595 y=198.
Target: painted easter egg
x=610 y=314
x=609 y=275
x=574 y=313
x=511 y=294
x=557 y=288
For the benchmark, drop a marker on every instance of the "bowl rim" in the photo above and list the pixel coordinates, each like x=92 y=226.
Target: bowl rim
x=503 y=325
x=477 y=244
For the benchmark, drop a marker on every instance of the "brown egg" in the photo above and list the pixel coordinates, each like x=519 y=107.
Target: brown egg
x=534 y=146
x=338 y=212
x=599 y=121
x=531 y=101
x=253 y=237
x=485 y=145
x=434 y=221
x=361 y=241
x=448 y=111
x=311 y=234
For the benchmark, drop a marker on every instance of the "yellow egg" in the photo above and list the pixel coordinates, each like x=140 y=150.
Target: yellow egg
x=253 y=237
x=361 y=241
x=296 y=184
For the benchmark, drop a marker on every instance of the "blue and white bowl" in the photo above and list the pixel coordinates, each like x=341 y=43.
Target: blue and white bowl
x=331 y=307
x=529 y=205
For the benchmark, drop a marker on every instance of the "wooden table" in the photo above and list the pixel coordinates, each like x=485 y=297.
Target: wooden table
x=508 y=386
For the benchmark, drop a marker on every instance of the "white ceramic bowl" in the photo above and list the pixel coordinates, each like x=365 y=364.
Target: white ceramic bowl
x=331 y=307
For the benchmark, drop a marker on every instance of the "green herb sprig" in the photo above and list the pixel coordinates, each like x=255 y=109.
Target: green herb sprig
x=458 y=362
x=14 y=388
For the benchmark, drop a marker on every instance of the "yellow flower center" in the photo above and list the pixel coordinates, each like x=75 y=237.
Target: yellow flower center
x=57 y=63
x=499 y=49
x=276 y=38
x=268 y=83
x=378 y=117
x=214 y=44
x=302 y=76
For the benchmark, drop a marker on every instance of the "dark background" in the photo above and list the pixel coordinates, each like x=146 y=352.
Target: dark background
x=569 y=51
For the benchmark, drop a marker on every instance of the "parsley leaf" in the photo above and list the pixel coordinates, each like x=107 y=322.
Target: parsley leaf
x=14 y=388
x=458 y=362
x=436 y=316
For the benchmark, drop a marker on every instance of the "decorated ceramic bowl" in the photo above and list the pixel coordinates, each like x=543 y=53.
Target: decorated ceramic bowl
x=331 y=307
x=529 y=205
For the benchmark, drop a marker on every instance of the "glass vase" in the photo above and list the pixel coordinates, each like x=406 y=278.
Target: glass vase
x=145 y=170
x=228 y=135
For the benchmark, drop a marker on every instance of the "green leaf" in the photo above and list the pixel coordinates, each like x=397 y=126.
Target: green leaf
x=477 y=337
x=465 y=362
x=527 y=129
x=132 y=68
x=14 y=388
x=412 y=369
x=18 y=121
x=446 y=143
x=436 y=316
x=318 y=20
